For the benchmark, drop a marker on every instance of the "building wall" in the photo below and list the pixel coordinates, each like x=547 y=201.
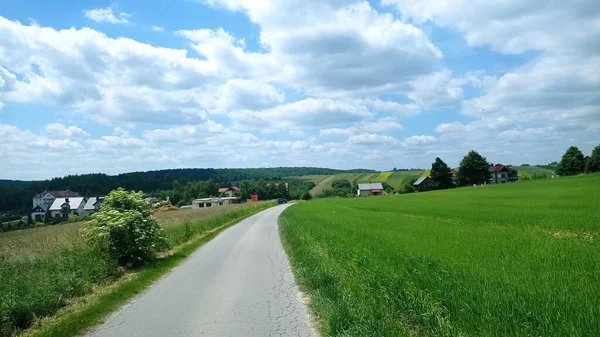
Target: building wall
x=365 y=193
x=45 y=201
x=502 y=177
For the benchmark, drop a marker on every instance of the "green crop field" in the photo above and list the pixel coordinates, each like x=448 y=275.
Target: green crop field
x=395 y=179
x=529 y=171
x=521 y=259
x=401 y=178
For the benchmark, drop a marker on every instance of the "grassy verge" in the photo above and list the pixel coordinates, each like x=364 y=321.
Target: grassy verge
x=512 y=260
x=37 y=285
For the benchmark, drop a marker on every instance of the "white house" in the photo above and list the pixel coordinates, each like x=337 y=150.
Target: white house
x=43 y=201
x=92 y=206
x=213 y=202
x=62 y=207
x=365 y=190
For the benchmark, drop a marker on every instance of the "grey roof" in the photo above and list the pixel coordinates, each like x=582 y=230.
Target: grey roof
x=90 y=204
x=420 y=180
x=73 y=202
x=373 y=186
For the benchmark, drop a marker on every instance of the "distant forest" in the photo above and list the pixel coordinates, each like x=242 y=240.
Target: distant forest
x=16 y=195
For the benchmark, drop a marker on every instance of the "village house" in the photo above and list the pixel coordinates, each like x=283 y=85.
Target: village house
x=422 y=184
x=503 y=173
x=43 y=201
x=92 y=206
x=213 y=202
x=228 y=191
x=365 y=190
x=62 y=207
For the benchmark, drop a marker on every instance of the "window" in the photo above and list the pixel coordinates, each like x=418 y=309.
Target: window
x=208 y=204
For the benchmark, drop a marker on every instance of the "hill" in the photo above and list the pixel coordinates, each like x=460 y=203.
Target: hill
x=396 y=179
x=16 y=195
x=537 y=171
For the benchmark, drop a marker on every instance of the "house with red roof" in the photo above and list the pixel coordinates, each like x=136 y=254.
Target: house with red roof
x=502 y=174
x=228 y=191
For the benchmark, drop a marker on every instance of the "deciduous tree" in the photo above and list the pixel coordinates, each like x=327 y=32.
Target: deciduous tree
x=572 y=162
x=474 y=169
x=440 y=175
x=593 y=165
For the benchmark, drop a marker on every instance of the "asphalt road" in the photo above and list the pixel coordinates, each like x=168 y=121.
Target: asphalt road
x=238 y=284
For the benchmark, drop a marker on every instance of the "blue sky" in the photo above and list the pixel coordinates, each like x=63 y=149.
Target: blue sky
x=97 y=86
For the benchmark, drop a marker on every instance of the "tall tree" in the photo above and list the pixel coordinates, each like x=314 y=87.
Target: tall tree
x=572 y=162
x=593 y=165
x=440 y=175
x=474 y=169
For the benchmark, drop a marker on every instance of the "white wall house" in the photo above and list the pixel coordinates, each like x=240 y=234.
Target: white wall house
x=62 y=207
x=213 y=202
x=92 y=206
x=43 y=201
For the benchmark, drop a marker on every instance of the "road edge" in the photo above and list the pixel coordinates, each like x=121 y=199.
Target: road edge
x=88 y=311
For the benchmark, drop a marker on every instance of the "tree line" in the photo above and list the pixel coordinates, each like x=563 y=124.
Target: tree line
x=16 y=196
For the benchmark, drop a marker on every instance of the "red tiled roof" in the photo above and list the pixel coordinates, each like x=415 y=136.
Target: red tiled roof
x=225 y=189
x=62 y=194
x=502 y=168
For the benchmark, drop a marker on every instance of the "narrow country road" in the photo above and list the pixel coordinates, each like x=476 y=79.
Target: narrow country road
x=238 y=284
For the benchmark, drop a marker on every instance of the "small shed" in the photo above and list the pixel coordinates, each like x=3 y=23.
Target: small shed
x=422 y=184
x=365 y=190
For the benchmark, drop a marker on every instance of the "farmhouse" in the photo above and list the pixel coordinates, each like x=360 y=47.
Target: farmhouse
x=422 y=184
x=365 y=190
x=92 y=206
x=62 y=207
x=213 y=202
x=228 y=191
x=503 y=173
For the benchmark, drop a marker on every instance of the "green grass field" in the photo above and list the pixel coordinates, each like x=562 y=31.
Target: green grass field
x=508 y=260
x=45 y=269
x=396 y=179
x=530 y=171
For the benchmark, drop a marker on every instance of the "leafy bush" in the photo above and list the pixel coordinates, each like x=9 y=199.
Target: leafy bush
x=126 y=227
x=341 y=183
x=306 y=196
x=40 y=224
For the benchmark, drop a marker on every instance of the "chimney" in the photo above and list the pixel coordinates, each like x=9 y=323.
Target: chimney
x=67 y=200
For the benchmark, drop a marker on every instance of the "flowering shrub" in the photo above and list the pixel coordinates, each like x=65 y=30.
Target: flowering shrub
x=126 y=227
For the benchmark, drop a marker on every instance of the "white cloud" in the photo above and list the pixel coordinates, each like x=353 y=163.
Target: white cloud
x=419 y=140
x=340 y=45
x=158 y=28
x=58 y=129
x=107 y=15
x=306 y=113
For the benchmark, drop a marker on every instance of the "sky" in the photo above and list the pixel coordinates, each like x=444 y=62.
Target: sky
x=131 y=85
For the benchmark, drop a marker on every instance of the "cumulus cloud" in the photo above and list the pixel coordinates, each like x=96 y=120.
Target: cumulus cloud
x=419 y=140
x=107 y=15
x=61 y=130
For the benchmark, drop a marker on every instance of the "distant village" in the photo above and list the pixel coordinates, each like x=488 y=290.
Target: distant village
x=58 y=206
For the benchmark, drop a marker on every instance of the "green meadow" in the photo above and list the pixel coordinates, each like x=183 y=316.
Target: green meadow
x=520 y=259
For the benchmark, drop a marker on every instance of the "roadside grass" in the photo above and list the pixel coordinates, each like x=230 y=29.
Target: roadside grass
x=521 y=259
x=57 y=267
